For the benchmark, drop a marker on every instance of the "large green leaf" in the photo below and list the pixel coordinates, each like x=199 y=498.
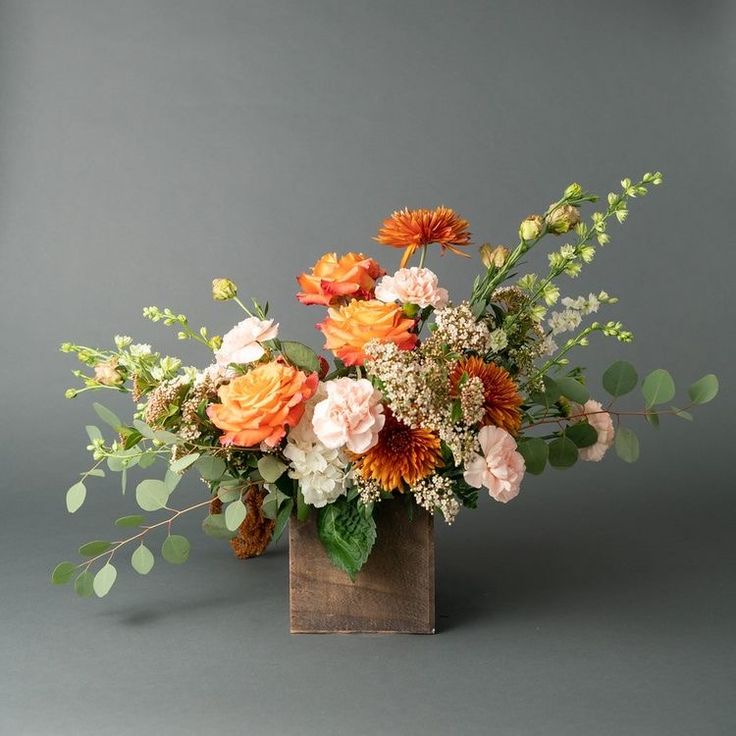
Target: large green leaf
x=180 y=465
x=94 y=548
x=84 y=584
x=151 y=494
x=627 y=445
x=534 y=452
x=130 y=521
x=214 y=526
x=658 y=387
x=270 y=468
x=563 y=452
x=63 y=573
x=573 y=389
x=235 y=513
x=142 y=560
x=175 y=549
x=620 y=378
x=282 y=519
x=347 y=535
x=210 y=467
x=107 y=416
x=704 y=390
x=300 y=355
x=582 y=434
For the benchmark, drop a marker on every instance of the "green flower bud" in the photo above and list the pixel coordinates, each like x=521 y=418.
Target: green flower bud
x=70 y=393
x=493 y=257
x=532 y=227
x=574 y=191
x=223 y=290
x=410 y=310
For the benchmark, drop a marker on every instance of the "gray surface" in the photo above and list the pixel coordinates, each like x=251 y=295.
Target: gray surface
x=146 y=147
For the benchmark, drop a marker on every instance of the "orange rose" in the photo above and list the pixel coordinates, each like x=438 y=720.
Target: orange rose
x=258 y=406
x=349 y=328
x=332 y=278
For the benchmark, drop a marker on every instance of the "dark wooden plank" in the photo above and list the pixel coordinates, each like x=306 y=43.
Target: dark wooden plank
x=393 y=593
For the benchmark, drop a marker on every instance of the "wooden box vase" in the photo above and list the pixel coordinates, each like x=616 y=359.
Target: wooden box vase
x=393 y=593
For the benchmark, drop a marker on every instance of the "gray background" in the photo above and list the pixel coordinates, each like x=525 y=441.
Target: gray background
x=146 y=147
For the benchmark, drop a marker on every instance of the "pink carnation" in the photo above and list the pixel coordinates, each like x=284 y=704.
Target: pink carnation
x=600 y=421
x=412 y=286
x=243 y=343
x=501 y=467
x=351 y=416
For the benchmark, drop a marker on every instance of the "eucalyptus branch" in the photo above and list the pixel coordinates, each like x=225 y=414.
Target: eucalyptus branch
x=617 y=414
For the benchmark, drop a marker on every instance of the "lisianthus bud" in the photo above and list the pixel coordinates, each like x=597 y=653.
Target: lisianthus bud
x=574 y=191
x=223 y=290
x=107 y=373
x=493 y=257
x=532 y=227
x=562 y=219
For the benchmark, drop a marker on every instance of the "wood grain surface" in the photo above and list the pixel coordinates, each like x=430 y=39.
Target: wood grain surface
x=393 y=593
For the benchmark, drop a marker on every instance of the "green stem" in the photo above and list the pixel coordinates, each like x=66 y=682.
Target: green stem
x=423 y=256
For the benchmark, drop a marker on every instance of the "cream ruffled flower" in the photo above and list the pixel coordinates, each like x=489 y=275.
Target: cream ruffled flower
x=413 y=285
x=243 y=343
x=500 y=468
x=350 y=416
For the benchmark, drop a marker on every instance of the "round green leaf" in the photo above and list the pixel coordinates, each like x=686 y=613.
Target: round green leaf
x=704 y=390
x=550 y=394
x=300 y=355
x=151 y=495
x=63 y=573
x=573 y=389
x=130 y=521
x=92 y=549
x=658 y=387
x=214 y=526
x=210 y=467
x=75 y=497
x=582 y=434
x=107 y=416
x=142 y=560
x=235 y=514
x=534 y=452
x=175 y=549
x=270 y=468
x=83 y=585
x=620 y=378
x=562 y=452
x=180 y=465
x=104 y=580
x=652 y=418
x=627 y=445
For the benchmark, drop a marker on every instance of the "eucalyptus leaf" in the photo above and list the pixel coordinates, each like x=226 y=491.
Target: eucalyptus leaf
x=682 y=414
x=97 y=472
x=93 y=433
x=620 y=378
x=107 y=416
x=573 y=389
x=104 y=580
x=563 y=453
x=658 y=387
x=142 y=560
x=144 y=429
x=627 y=445
x=168 y=438
x=582 y=434
x=147 y=459
x=94 y=548
x=652 y=418
x=75 y=497
x=175 y=549
x=182 y=463
x=130 y=521
x=235 y=513
x=83 y=585
x=63 y=573
x=171 y=480
x=210 y=467
x=151 y=494
x=302 y=507
x=226 y=494
x=271 y=468
x=214 y=526
x=534 y=452
x=704 y=390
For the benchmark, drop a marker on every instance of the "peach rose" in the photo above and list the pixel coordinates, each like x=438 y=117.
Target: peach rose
x=500 y=468
x=413 y=285
x=259 y=406
x=350 y=416
x=332 y=279
x=349 y=328
x=242 y=344
x=601 y=422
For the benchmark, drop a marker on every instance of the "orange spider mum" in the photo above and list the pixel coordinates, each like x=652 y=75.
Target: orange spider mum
x=502 y=399
x=401 y=457
x=413 y=229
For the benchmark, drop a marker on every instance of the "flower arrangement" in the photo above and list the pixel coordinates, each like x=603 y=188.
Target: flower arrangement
x=427 y=399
